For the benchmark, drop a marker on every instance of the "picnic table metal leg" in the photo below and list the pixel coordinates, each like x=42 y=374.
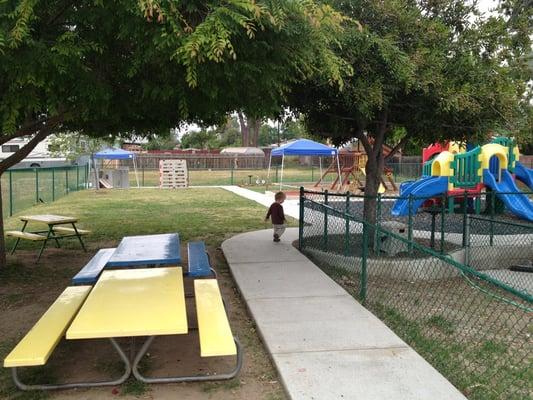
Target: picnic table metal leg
x=118 y=381
x=18 y=239
x=48 y=236
x=193 y=378
x=55 y=238
x=79 y=237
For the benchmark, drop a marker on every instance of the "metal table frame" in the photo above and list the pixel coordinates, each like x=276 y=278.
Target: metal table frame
x=118 y=381
x=192 y=378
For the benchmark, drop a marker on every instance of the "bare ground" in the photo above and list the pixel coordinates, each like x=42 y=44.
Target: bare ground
x=26 y=291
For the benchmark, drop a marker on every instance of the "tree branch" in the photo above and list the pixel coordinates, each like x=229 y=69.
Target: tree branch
x=30 y=128
x=25 y=150
x=397 y=148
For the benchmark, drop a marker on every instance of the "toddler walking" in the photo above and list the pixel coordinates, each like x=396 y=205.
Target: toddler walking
x=275 y=212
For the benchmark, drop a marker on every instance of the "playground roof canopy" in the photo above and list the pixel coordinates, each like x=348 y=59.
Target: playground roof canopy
x=112 y=153
x=304 y=147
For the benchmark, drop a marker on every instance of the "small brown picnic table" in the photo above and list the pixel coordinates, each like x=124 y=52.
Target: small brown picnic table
x=56 y=230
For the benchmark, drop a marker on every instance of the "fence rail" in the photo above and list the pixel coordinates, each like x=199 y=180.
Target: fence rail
x=447 y=288
x=25 y=187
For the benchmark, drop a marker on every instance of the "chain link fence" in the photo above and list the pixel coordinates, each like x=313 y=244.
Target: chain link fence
x=25 y=187
x=455 y=295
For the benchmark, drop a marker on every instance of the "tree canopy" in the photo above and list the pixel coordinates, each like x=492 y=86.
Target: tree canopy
x=433 y=69
x=141 y=68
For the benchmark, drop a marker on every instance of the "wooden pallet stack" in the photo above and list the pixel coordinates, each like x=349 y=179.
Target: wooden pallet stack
x=173 y=174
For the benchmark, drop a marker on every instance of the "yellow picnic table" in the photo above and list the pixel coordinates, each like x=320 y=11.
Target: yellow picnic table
x=151 y=302
x=56 y=230
x=129 y=303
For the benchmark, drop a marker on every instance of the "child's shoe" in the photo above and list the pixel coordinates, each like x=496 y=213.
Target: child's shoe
x=276 y=237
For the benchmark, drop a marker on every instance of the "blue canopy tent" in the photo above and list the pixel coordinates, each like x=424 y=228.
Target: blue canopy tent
x=303 y=147
x=112 y=153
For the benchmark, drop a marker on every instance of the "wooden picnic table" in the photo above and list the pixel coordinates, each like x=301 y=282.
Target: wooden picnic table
x=55 y=230
x=161 y=249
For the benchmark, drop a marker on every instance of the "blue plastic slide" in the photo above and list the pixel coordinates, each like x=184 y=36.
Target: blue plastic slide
x=425 y=188
x=524 y=174
x=518 y=204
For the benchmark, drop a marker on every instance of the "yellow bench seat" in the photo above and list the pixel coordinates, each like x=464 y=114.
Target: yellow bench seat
x=39 y=343
x=65 y=229
x=216 y=338
x=26 y=235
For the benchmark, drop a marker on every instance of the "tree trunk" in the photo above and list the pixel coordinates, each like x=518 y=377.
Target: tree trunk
x=245 y=131
x=254 y=125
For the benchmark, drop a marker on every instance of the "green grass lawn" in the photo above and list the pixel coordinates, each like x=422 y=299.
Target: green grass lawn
x=208 y=214
x=27 y=288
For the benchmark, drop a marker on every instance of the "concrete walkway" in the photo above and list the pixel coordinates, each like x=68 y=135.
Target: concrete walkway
x=290 y=207
x=324 y=344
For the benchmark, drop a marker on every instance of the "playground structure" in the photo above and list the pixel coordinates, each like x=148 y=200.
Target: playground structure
x=462 y=174
x=351 y=173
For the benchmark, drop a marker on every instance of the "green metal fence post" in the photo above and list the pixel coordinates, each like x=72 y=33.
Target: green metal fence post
x=465 y=214
x=53 y=184
x=492 y=211
x=325 y=236
x=77 y=177
x=362 y=289
x=10 y=193
x=347 y=226
x=410 y=225
x=442 y=221
x=86 y=176
x=467 y=241
x=231 y=179
x=301 y=221
x=66 y=181
x=36 y=185
x=377 y=242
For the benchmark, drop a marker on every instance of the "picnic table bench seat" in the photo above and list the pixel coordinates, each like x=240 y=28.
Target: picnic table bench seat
x=199 y=265
x=65 y=229
x=26 y=235
x=216 y=338
x=39 y=343
x=37 y=346
x=89 y=274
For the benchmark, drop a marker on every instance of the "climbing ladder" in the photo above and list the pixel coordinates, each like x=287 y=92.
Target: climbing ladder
x=173 y=174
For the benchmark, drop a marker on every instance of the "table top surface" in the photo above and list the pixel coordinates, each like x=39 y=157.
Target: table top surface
x=49 y=219
x=133 y=302
x=163 y=249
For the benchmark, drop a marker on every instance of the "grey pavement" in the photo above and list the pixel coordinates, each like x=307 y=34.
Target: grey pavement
x=324 y=344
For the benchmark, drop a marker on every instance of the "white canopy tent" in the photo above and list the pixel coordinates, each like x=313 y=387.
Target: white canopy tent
x=304 y=147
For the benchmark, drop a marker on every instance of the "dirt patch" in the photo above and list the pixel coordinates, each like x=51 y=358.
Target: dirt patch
x=27 y=290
